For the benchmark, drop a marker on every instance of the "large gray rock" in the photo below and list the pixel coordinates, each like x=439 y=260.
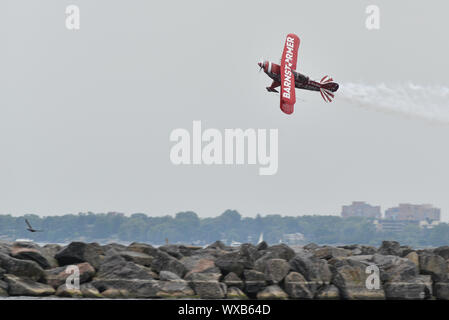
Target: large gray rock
x=68 y=292
x=21 y=268
x=233 y=262
x=78 y=252
x=173 y=250
x=365 y=259
x=217 y=245
x=38 y=255
x=405 y=250
x=207 y=285
x=58 y=276
x=50 y=250
x=174 y=289
x=89 y=291
x=25 y=244
x=208 y=289
x=413 y=257
x=276 y=270
x=206 y=276
x=5 y=247
x=281 y=251
x=238 y=261
x=417 y=288
x=114 y=293
x=233 y=280
x=297 y=287
x=250 y=253
x=143 y=248
x=262 y=246
x=209 y=253
x=86 y=290
x=199 y=264
x=442 y=251
x=116 y=267
x=187 y=250
x=136 y=288
x=179 y=251
x=350 y=277
x=164 y=262
x=388 y=248
x=127 y=288
x=3 y=289
x=260 y=264
x=254 y=282
x=434 y=265
x=27 y=287
x=330 y=292
x=273 y=292
x=354 y=248
x=235 y=293
x=394 y=268
x=367 y=250
x=168 y=276
x=311 y=246
x=136 y=257
x=331 y=252
x=116 y=246
x=441 y=290
x=357 y=249
x=315 y=271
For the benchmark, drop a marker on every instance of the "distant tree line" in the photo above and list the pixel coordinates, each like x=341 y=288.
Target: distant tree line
x=188 y=228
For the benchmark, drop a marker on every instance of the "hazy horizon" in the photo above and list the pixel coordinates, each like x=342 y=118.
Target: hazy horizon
x=155 y=214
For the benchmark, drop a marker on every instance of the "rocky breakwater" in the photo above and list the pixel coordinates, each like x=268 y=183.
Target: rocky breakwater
x=222 y=272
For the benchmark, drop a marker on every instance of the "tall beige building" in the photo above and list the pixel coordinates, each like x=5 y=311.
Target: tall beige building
x=416 y=212
x=361 y=209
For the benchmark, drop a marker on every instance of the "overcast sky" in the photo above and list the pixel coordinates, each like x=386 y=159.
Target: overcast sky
x=85 y=116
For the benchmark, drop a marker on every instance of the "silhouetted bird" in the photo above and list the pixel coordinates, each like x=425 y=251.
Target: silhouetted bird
x=30 y=228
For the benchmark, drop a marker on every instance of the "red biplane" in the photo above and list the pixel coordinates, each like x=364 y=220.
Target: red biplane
x=286 y=76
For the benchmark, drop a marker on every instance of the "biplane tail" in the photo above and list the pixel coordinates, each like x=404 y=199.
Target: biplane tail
x=327 y=88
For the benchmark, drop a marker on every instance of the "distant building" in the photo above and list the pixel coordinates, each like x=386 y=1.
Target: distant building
x=361 y=209
x=393 y=225
x=415 y=212
x=397 y=218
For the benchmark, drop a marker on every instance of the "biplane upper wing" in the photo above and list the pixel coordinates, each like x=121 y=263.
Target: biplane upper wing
x=288 y=63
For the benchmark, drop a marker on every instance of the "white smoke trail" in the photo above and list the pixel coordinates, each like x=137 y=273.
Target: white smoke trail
x=425 y=102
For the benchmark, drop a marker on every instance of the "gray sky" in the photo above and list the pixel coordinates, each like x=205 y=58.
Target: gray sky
x=85 y=116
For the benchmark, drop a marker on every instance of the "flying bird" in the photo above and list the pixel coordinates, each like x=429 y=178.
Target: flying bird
x=30 y=228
